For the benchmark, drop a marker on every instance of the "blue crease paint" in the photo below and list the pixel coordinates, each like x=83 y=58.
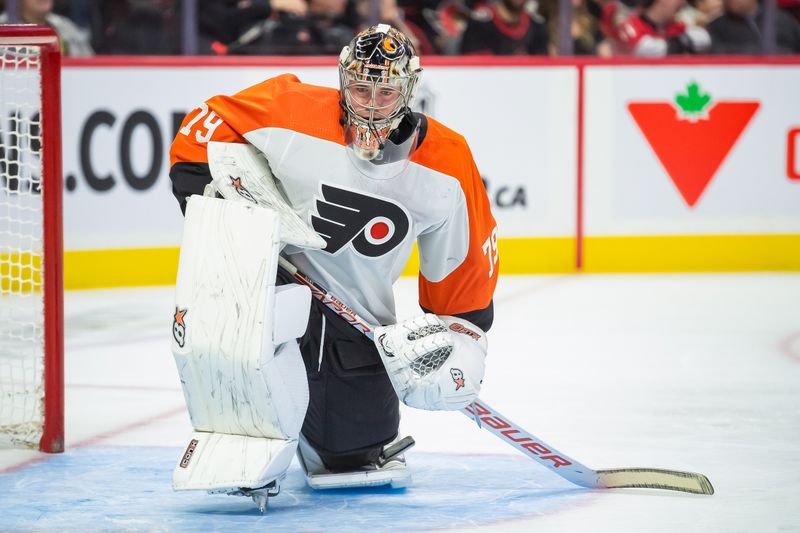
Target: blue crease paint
x=129 y=489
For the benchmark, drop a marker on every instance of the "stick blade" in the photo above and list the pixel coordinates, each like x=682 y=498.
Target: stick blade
x=653 y=478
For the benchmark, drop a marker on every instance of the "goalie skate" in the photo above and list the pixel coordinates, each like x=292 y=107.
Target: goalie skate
x=260 y=496
x=390 y=469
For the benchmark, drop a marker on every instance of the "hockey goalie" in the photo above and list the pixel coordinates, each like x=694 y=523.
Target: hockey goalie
x=341 y=183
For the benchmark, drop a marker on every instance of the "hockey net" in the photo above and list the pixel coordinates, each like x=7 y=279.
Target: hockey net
x=31 y=337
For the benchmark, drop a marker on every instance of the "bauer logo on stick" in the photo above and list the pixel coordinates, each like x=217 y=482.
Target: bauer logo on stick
x=179 y=327
x=458 y=377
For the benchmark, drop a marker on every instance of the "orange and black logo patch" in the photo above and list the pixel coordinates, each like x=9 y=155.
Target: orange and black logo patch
x=458 y=377
x=244 y=193
x=179 y=326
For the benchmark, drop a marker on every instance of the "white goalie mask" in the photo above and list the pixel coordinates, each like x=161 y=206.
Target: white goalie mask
x=378 y=74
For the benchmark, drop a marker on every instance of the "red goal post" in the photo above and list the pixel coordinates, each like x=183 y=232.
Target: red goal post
x=31 y=248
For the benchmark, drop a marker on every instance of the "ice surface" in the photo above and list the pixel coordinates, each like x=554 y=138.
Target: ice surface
x=689 y=372
x=128 y=489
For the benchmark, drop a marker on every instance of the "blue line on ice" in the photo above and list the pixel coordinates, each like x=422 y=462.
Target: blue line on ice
x=128 y=489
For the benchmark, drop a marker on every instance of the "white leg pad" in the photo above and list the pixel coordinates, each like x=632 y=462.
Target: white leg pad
x=240 y=367
x=249 y=462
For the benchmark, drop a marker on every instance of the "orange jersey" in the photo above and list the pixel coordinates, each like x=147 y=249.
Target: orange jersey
x=369 y=224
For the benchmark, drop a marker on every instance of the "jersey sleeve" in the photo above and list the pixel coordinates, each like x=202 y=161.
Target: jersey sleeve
x=230 y=119
x=458 y=257
x=188 y=154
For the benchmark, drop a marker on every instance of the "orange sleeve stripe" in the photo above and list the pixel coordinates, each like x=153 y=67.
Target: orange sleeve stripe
x=469 y=287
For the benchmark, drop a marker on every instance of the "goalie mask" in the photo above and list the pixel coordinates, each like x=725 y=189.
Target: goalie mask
x=378 y=75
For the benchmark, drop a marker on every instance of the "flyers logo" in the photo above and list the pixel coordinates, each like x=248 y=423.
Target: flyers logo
x=372 y=226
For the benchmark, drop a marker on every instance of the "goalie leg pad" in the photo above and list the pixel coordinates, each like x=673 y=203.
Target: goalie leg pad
x=240 y=365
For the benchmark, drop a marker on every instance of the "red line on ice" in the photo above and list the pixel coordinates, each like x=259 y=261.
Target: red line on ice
x=99 y=438
x=791 y=346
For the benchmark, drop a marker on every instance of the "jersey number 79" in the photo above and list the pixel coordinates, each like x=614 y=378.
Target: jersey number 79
x=211 y=123
x=490 y=250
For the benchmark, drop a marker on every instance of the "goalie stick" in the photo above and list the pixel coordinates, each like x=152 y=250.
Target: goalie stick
x=509 y=432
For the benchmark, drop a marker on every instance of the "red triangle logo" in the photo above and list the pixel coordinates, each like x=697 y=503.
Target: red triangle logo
x=692 y=151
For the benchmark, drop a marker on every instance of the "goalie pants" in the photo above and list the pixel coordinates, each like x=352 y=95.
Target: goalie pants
x=353 y=410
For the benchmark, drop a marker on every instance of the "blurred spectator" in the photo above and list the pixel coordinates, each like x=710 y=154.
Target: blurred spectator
x=587 y=39
x=333 y=23
x=278 y=27
x=225 y=20
x=437 y=24
x=791 y=6
x=252 y=26
x=389 y=13
x=738 y=30
x=505 y=27
x=78 y=11
x=138 y=27
x=652 y=30
x=74 y=41
x=700 y=12
x=423 y=21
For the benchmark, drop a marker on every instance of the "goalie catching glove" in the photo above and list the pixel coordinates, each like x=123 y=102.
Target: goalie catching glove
x=434 y=362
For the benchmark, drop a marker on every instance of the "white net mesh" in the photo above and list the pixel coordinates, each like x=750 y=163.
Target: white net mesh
x=21 y=212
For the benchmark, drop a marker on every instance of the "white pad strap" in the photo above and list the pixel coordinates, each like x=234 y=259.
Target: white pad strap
x=240 y=172
x=433 y=362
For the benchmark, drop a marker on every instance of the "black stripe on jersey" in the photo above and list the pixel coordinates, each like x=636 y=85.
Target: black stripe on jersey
x=483 y=318
x=188 y=179
x=407 y=126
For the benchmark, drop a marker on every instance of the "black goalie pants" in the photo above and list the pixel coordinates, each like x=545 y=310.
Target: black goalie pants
x=353 y=410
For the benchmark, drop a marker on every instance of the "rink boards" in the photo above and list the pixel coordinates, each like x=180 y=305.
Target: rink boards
x=681 y=166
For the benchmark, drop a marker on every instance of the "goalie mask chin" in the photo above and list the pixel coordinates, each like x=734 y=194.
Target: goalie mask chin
x=378 y=75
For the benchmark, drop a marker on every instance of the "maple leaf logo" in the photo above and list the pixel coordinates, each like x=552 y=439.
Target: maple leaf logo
x=692 y=137
x=693 y=103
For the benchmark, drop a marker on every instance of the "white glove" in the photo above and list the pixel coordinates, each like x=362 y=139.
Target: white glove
x=433 y=362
